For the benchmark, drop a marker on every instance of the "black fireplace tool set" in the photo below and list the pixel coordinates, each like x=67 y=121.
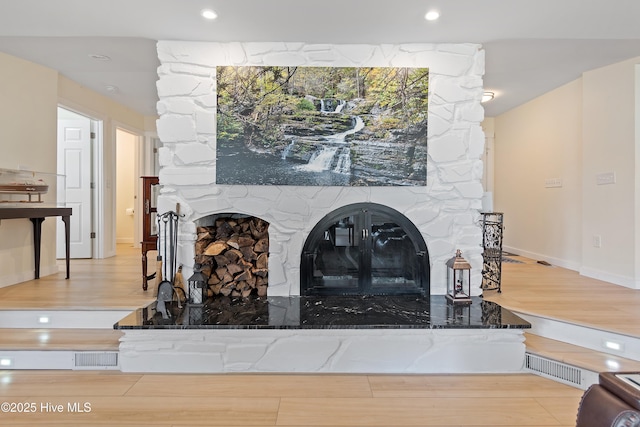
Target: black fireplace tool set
x=170 y=281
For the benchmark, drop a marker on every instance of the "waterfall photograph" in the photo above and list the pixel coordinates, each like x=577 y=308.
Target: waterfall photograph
x=324 y=126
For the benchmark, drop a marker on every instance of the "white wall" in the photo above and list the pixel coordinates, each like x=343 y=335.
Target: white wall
x=28 y=103
x=609 y=145
x=637 y=177
x=125 y=185
x=535 y=142
x=29 y=98
x=445 y=210
x=576 y=132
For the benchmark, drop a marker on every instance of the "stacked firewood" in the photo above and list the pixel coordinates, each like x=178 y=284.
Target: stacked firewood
x=234 y=254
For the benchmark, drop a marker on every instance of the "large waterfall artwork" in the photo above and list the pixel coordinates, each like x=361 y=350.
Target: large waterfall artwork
x=326 y=126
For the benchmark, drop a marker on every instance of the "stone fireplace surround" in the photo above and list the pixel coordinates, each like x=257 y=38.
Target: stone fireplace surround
x=445 y=211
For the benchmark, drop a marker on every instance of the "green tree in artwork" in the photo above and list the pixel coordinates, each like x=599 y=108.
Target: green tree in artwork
x=257 y=103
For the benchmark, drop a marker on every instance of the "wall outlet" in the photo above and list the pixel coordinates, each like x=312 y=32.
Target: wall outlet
x=553 y=183
x=606 y=178
x=597 y=241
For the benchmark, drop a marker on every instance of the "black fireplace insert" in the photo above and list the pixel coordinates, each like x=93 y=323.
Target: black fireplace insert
x=365 y=249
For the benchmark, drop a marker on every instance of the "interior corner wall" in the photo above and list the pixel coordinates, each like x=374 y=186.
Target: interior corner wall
x=28 y=107
x=637 y=176
x=534 y=143
x=609 y=146
x=29 y=98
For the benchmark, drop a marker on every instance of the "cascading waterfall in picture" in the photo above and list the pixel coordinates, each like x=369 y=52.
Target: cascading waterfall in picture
x=336 y=126
x=334 y=154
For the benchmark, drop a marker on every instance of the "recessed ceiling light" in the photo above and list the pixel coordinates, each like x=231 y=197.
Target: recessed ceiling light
x=488 y=96
x=208 y=14
x=99 y=57
x=111 y=89
x=432 y=15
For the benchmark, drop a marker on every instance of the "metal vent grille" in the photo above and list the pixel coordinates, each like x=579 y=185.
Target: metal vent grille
x=96 y=360
x=553 y=369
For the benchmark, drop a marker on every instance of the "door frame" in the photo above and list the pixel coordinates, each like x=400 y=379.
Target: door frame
x=139 y=170
x=104 y=191
x=97 y=198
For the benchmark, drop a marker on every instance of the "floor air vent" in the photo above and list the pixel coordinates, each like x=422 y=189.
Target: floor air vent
x=554 y=370
x=95 y=360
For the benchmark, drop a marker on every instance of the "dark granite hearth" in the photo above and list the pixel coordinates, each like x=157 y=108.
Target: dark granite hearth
x=329 y=312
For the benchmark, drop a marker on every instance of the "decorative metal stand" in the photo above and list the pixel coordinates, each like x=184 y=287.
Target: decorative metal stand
x=492 y=228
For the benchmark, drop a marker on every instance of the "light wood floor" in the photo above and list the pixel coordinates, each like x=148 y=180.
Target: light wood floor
x=124 y=400
x=562 y=294
x=111 y=283
x=302 y=400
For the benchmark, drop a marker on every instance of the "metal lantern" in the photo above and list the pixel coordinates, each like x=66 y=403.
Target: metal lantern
x=458 y=280
x=197 y=286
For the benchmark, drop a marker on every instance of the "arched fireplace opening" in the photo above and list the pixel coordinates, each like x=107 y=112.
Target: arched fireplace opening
x=364 y=249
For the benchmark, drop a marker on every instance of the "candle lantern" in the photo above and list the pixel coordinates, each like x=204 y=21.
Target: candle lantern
x=458 y=280
x=197 y=286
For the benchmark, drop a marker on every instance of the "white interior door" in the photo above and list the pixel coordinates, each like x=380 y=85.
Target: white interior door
x=74 y=161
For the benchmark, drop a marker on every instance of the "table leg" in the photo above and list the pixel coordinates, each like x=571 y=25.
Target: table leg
x=67 y=240
x=144 y=268
x=37 y=238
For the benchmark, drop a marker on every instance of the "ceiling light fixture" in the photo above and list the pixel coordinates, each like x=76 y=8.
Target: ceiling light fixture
x=488 y=96
x=111 y=89
x=432 y=15
x=99 y=57
x=208 y=14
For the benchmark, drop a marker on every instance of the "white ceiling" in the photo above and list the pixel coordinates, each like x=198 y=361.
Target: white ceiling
x=531 y=46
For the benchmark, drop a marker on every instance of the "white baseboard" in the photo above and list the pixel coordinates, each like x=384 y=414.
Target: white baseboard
x=616 y=279
x=59 y=359
x=570 y=265
x=605 y=276
x=23 y=276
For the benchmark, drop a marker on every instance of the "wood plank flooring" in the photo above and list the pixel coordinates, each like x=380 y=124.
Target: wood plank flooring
x=111 y=283
x=289 y=400
x=303 y=400
x=562 y=294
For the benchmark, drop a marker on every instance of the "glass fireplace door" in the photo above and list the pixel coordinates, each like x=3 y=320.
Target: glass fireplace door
x=364 y=250
x=337 y=259
x=394 y=263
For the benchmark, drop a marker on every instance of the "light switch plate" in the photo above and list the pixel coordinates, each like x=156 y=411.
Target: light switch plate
x=606 y=178
x=553 y=183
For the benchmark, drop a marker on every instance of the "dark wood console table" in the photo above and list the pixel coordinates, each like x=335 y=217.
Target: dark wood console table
x=149 y=218
x=37 y=216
